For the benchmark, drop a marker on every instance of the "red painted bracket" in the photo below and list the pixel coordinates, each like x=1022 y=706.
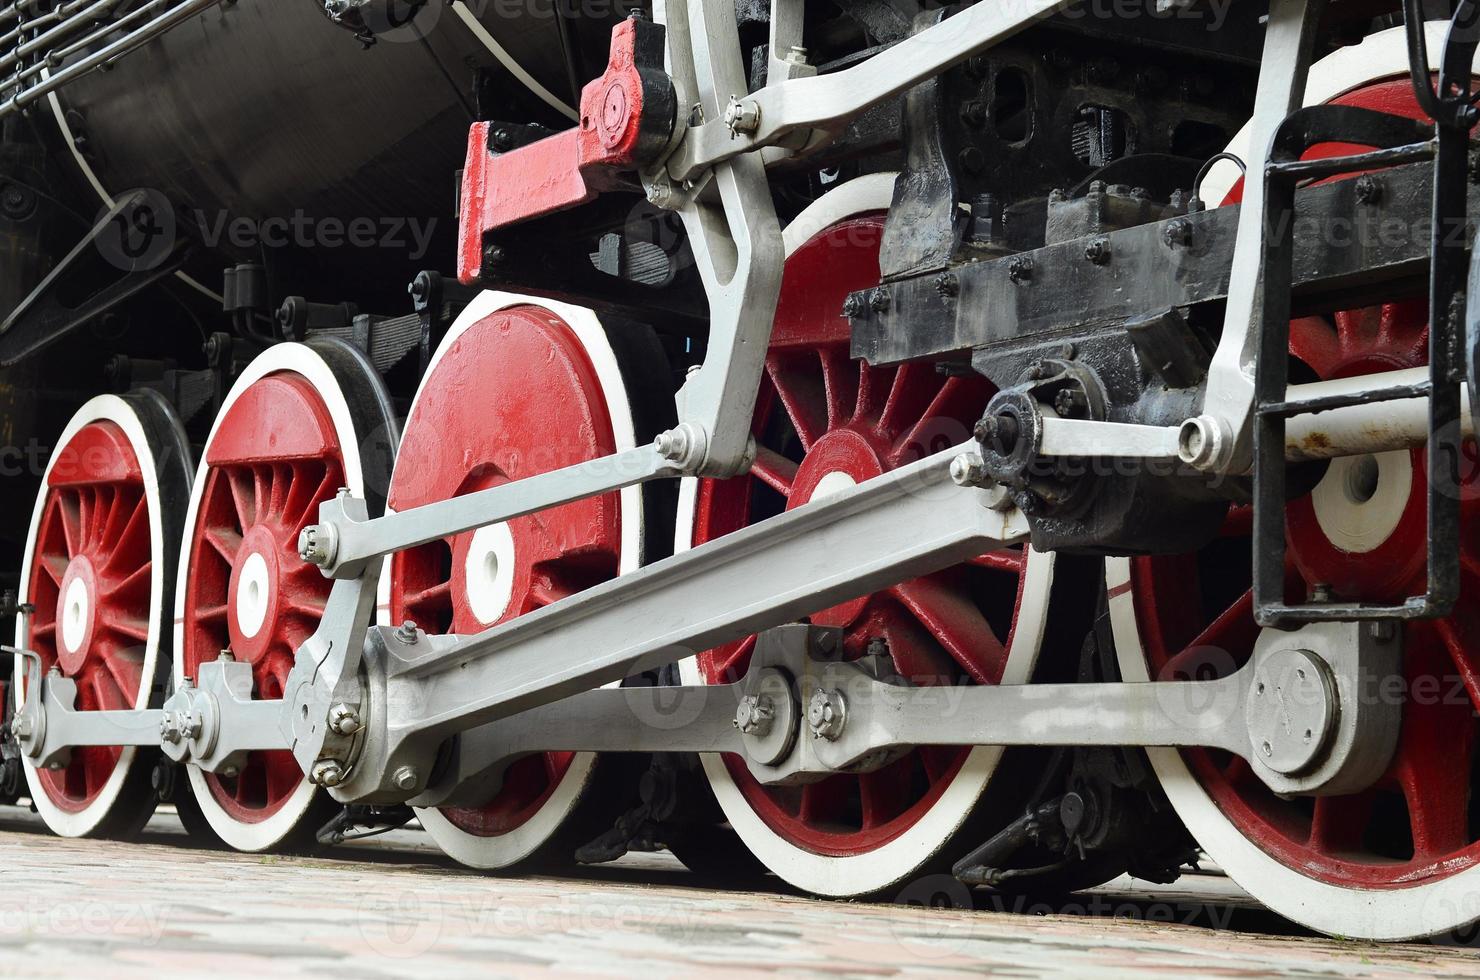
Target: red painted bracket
x=627 y=118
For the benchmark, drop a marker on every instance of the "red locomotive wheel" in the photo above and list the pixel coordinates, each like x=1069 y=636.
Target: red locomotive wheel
x=114 y=493
x=519 y=388
x=1400 y=859
x=824 y=423
x=301 y=422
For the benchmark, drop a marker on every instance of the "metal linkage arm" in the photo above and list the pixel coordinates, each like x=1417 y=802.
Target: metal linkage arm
x=827 y=102
x=894 y=527
x=342 y=546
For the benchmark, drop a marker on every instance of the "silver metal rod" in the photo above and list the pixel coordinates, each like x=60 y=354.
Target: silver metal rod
x=107 y=54
x=354 y=543
x=1359 y=429
x=892 y=528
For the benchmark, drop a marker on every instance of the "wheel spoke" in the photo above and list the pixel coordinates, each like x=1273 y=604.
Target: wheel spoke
x=915 y=387
x=957 y=624
x=241 y=496
x=840 y=384
x=1339 y=823
x=802 y=394
x=826 y=801
x=886 y=793
x=67 y=507
x=225 y=541
x=1460 y=634
x=774 y=470
x=1233 y=633
x=1432 y=763
x=940 y=426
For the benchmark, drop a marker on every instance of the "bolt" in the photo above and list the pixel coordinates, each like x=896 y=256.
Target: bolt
x=190 y=725
x=742 y=116
x=231 y=772
x=494 y=255
x=406 y=777
x=21 y=727
x=827 y=714
x=1177 y=232
x=226 y=656
x=501 y=140
x=327 y=772
x=1381 y=630
x=1321 y=592
x=974 y=112
x=755 y=715
x=673 y=445
x=985 y=430
x=968 y=470
x=1020 y=269
x=407 y=633
x=853 y=306
x=344 y=719
x=1069 y=401
x=1368 y=189
x=1266 y=748
x=947 y=285
x=311 y=548
x=1098 y=251
x=55 y=766
x=878 y=300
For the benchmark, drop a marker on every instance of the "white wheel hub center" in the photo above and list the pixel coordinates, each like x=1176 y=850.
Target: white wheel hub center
x=253 y=595
x=831 y=485
x=76 y=614
x=1361 y=499
x=489 y=572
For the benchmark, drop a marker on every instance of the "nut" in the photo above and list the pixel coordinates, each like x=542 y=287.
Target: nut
x=327 y=772
x=344 y=719
x=1098 y=251
x=406 y=777
x=827 y=714
x=755 y=715
x=968 y=470
x=742 y=116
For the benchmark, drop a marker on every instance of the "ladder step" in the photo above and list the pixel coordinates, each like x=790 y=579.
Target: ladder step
x=1324 y=403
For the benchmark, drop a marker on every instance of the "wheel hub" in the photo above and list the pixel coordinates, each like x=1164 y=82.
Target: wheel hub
x=254 y=592
x=489 y=570
x=76 y=608
x=837 y=462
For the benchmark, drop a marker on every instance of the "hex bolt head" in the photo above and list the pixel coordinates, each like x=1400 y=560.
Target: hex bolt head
x=1177 y=233
x=742 y=116
x=947 y=285
x=1098 y=251
x=1020 y=269
x=755 y=715
x=406 y=777
x=879 y=300
x=827 y=714
x=968 y=470
x=407 y=633
x=21 y=727
x=344 y=720
x=853 y=306
x=327 y=772
x=1368 y=189
x=310 y=548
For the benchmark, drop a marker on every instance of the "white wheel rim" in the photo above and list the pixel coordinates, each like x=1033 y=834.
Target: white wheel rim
x=896 y=860
x=1376 y=914
x=306 y=362
x=515 y=845
x=104 y=408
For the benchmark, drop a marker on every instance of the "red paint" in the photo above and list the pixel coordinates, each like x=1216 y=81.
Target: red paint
x=819 y=412
x=94 y=527
x=515 y=396
x=273 y=459
x=1194 y=614
x=560 y=171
